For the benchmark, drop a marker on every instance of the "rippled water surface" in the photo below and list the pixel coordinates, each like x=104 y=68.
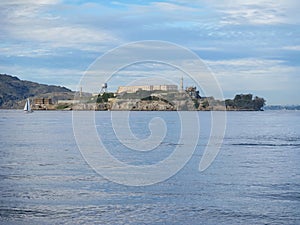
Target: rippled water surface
x=255 y=179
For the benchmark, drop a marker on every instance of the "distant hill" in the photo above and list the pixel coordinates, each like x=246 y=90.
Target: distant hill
x=14 y=91
x=282 y=107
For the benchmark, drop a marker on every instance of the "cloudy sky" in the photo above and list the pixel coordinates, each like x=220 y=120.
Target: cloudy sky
x=250 y=46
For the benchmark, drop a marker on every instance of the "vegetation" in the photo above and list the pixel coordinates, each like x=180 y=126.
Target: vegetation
x=205 y=104
x=102 y=98
x=196 y=103
x=63 y=106
x=137 y=95
x=245 y=102
x=155 y=98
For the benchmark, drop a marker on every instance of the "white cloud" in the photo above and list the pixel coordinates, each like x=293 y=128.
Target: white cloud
x=259 y=12
x=33 y=23
x=254 y=74
x=199 y=48
x=245 y=63
x=29 y=2
x=292 y=48
x=166 y=6
x=247 y=12
x=67 y=36
x=157 y=6
x=22 y=51
x=251 y=67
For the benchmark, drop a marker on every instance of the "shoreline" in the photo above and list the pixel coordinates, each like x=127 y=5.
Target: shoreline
x=70 y=110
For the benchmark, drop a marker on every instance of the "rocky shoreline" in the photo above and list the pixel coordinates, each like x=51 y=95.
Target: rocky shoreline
x=156 y=102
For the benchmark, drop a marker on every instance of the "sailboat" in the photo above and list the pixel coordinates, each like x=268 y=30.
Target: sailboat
x=27 y=107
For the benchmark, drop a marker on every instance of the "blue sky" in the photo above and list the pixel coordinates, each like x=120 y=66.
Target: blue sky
x=251 y=46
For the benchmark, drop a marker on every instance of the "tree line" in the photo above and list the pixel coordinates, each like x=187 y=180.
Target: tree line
x=245 y=102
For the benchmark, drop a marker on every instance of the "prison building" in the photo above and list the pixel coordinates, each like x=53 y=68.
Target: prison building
x=133 y=89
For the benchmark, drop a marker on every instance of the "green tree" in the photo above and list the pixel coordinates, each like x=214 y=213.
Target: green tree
x=104 y=97
x=196 y=103
x=229 y=103
x=243 y=101
x=258 y=103
x=205 y=104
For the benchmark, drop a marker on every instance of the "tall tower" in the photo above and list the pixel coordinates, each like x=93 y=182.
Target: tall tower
x=181 y=84
x=103 y=88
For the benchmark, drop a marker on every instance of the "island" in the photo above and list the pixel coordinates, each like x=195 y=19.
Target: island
x=149 y=98
x=159 y=97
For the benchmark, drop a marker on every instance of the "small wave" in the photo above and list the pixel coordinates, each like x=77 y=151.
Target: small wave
x=47 y=164
x=267 y=144
x=171 y=144
x=20 y=213
x=285 y=196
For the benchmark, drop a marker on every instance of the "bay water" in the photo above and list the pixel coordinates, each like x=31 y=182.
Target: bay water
x=255 y=179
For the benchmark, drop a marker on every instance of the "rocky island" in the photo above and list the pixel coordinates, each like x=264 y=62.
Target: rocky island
x=137 y=98
x=188 y=100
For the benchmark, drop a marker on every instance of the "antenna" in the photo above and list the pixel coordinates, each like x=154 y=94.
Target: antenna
x=181 y=84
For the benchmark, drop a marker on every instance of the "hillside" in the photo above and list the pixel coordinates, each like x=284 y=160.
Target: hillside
x=13 y=91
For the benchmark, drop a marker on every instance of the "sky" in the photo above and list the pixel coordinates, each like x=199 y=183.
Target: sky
x=250 y=46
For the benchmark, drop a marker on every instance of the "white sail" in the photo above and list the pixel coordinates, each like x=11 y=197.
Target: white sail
x=27 y=107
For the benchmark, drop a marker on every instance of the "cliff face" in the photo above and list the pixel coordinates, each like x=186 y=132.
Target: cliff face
x=151 y=105
x=13 y=91
x=142 y=105
x=153 y=101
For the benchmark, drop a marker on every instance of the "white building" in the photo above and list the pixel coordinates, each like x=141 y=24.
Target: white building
x=133 y=89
